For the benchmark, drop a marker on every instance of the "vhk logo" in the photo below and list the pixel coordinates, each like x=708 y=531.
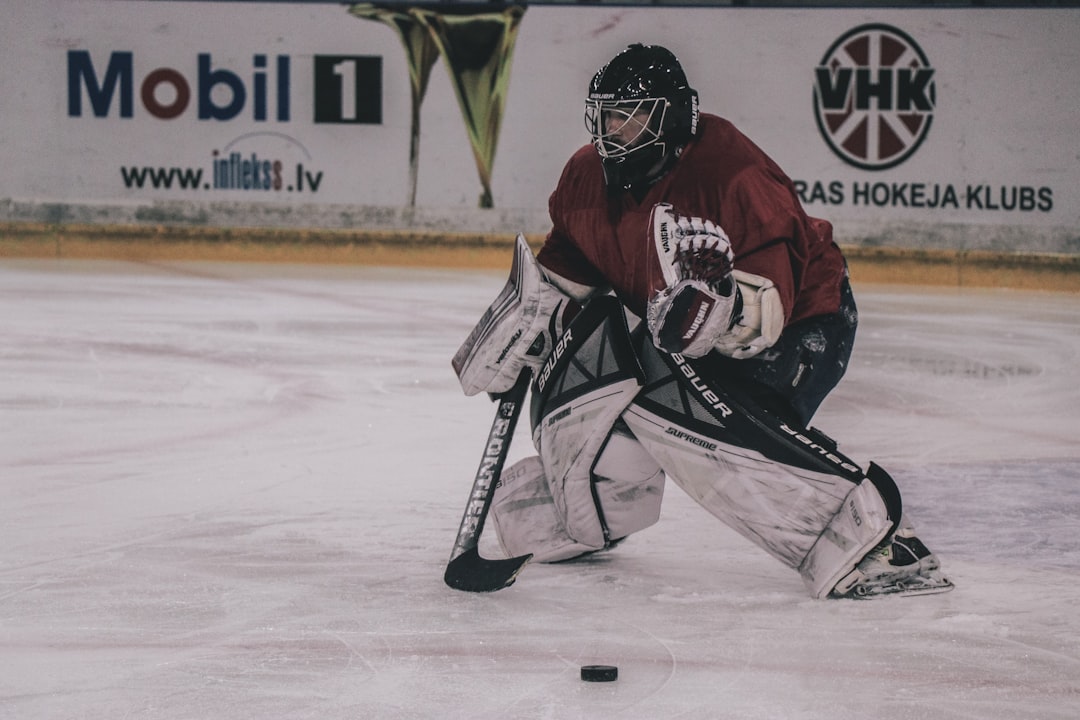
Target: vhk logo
x=874 y=97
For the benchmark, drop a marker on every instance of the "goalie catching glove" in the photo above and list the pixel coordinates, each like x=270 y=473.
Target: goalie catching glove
x=702 y=303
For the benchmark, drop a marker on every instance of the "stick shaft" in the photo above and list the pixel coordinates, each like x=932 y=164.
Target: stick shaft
x=491 y=464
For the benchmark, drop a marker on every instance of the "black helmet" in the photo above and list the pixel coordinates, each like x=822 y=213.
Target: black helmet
x=641 y=113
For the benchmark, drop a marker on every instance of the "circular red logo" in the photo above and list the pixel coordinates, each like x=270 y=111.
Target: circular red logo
x=874 y=96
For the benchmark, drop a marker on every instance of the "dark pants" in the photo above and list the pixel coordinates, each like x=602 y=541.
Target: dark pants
x=794 y=376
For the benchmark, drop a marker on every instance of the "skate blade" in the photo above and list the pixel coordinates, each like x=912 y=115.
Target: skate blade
x=909 y=587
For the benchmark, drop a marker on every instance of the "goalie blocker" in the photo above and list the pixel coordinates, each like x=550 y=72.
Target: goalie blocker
x=516 y=331
x=613 y=416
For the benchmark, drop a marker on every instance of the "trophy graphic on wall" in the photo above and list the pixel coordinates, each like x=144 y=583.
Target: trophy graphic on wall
x=478 y=45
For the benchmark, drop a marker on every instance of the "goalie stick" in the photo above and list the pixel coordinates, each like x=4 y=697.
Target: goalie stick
x=467 y=569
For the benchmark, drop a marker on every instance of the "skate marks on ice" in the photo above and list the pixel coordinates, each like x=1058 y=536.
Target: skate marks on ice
x=957 y=376
x=231 y=491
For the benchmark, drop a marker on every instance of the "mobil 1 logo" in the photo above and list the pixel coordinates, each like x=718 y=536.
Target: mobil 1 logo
x=348 y=89
x=874 y=96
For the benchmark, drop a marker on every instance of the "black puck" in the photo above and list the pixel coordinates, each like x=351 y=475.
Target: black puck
x=599 y=673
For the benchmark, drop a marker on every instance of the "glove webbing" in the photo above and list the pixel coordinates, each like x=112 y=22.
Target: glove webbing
x=707 y=264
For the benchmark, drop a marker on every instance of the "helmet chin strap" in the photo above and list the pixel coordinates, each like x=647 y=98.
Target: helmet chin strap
x=640 y=186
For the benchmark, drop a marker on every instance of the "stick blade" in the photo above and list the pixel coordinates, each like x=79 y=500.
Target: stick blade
x=471 y=573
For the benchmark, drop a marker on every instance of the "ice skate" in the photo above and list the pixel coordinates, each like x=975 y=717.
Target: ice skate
x=902 y=566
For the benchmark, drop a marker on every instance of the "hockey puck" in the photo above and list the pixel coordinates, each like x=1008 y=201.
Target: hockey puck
x=599 y=673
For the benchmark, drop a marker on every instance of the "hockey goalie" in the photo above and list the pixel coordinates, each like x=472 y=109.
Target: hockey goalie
x=683 y=322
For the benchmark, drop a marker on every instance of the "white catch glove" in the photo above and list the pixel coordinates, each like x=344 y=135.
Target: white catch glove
x=697 y=302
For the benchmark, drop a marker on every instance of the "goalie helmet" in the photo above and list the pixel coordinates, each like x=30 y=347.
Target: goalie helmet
x=641 y=113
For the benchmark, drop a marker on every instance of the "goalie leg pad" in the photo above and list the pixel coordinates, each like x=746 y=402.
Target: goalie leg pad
x=525 y=519
x=577 y=399
x=629 y=485
x=780 y=508
x=862 y=522
x=629 y=488
x=786 y=488
x=550 y=506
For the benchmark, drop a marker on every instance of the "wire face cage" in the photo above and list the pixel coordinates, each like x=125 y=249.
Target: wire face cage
x=619 y=127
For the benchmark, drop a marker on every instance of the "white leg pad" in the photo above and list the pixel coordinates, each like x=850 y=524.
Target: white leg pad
x=570 y=440
x=862 y=523
x=818 y=523
x=629 y=485
x=777 y=507
x=525 y=517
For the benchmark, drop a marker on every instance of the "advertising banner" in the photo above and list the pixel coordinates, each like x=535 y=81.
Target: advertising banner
x=941 y=123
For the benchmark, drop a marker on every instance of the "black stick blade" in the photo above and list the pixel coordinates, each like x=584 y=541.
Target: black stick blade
x=472 y=573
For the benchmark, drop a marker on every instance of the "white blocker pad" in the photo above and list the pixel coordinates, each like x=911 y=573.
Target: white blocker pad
x=516 y=331
x=786 y=489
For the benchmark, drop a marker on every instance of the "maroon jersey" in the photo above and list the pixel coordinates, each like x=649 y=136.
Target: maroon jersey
x=721 y=176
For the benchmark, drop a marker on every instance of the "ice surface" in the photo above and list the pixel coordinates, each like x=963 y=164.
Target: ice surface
x=229 y=491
